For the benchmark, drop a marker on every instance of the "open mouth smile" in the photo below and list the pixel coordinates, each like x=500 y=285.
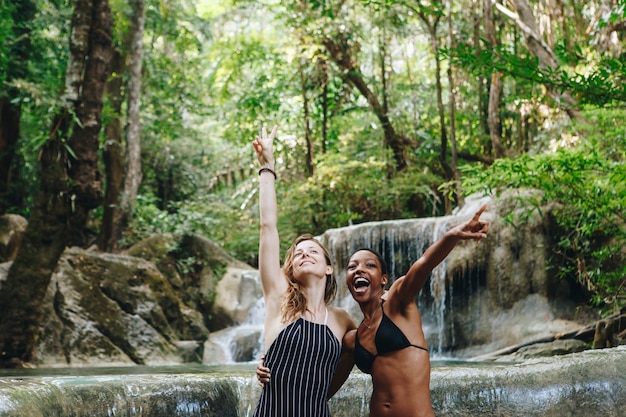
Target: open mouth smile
x=360 y=284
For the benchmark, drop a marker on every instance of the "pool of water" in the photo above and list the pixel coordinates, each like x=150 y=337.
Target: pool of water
x=577 y=385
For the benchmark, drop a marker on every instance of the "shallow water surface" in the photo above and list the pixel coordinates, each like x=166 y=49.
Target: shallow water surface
x=576 y=385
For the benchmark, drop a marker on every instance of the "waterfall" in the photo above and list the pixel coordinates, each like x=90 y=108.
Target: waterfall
x=241 y=343
x=402 y=242
x=484 y=296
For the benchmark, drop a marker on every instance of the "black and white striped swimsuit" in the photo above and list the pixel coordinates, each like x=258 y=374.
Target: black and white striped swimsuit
x=302 y=360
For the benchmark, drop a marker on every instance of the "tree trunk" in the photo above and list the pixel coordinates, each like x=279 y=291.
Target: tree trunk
x=324 y=99
x=452 y=110
x=59 y=210
x=43 y=243
x=113 y=158
x=397 y=143
x=443 y=148
x=133 y=177
x=307 y=121
x=495 y=87
x=9 y=134
x=84 y=170
x=413 y=99
x=123 y=164
x=483 y=100
x=525 y=20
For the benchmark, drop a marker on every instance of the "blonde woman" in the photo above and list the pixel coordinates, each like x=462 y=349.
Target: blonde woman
x=303 y=333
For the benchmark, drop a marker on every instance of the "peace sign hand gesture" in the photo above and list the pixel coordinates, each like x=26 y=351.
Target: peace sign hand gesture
x=263 y=146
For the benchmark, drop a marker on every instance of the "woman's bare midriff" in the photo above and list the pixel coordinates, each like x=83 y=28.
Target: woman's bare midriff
x=401 y=384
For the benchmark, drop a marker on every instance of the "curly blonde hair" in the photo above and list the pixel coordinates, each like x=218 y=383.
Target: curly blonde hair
x=294 y=301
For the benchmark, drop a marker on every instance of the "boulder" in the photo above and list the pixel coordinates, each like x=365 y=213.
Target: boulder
x=153 y=308
x=12 y=228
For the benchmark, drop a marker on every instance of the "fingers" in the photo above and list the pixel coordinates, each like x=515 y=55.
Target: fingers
x=264 y=142
x=480 y=231
x=479 y=227
x=480 y=211
x=274 y=130
x=257 y=145
x=262 y=378
x=262 y=372
x=272 y=133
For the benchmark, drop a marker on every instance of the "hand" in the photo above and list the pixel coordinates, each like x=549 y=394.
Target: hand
x=263 y=146
x=473 y=229
x=262 y=372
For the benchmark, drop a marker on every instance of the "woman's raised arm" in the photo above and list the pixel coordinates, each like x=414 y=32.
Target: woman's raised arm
x=270 y=271
x=411 y=284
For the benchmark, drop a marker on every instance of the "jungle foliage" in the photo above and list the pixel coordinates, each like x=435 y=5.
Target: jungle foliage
x=587 y=183
x=352 y=85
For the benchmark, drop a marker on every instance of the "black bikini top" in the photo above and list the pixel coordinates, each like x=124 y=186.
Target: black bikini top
x=389 y=338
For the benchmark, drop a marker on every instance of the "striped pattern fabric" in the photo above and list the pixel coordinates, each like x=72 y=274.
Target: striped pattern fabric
x=302 y=361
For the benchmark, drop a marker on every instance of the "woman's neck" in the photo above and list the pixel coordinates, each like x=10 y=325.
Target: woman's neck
x=370 y=308
x=315 y=292
x=316 y=314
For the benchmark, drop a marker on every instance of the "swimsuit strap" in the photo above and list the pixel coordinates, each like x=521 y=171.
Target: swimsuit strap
x=325 y=318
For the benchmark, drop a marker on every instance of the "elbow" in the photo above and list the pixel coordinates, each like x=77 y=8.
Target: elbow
x=268 y=225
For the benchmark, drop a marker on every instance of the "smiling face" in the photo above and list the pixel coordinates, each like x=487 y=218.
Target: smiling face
x=364 y=275
x=309 y=258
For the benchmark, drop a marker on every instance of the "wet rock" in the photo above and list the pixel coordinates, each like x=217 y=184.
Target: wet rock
x=558 y=347
x=12 y=228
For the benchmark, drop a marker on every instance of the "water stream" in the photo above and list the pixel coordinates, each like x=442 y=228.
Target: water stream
x=590 y=383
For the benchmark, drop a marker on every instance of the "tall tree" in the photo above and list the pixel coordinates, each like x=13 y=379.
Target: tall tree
x=430 y=17
x=132 y=180
x=339 y=50
x=452 y=110
x=525 y=20
x=306 y=117
x=495 y=87
x=70 y=184
x=124 y=178
x=113 y=157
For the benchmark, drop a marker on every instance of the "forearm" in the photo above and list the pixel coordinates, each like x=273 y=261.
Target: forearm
x=346 y=363
x=438 y=251
x=269 y=244
x=268 y=208
x=420 y=270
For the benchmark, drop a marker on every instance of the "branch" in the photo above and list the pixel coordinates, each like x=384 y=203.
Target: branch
x=527 y=30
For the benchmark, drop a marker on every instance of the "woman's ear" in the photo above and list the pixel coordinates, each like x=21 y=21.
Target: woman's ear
x=384 y=280
x=329 y=270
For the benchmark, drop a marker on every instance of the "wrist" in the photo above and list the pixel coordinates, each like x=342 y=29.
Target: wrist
x=269 y=165
x=266 y=169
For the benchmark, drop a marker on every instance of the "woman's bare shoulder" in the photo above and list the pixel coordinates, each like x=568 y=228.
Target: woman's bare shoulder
x=342 y=317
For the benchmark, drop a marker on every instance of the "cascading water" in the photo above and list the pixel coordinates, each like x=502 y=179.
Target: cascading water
x=483 y=297
x=577 y=385
x=438 y=293
x=229 y=340
x=402 y=242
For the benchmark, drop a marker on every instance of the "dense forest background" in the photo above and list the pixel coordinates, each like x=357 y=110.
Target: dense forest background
x=122 y=119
